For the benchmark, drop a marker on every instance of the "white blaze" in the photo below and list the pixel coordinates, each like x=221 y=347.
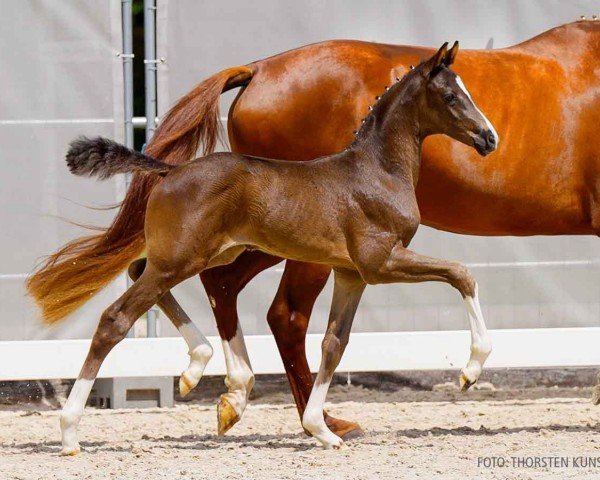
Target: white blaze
x=487 y=122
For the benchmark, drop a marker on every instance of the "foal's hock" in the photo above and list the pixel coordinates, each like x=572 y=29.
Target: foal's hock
x=355 y=211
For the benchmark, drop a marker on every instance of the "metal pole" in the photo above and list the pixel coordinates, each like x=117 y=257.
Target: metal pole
x=127 y=56
x=150 y=63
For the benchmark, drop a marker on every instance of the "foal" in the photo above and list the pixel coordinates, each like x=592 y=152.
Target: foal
x=357 y=209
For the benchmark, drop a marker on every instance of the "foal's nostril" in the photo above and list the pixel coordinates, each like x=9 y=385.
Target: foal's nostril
x=491 y=138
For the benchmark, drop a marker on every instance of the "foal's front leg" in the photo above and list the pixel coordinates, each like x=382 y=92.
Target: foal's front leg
x=404 y=265
x=347 y=290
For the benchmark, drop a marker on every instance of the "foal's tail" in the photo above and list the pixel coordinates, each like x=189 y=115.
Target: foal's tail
x=71 y=276
x=103 y=158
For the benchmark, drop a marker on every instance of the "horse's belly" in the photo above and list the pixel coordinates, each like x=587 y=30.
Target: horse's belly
x=460 y=209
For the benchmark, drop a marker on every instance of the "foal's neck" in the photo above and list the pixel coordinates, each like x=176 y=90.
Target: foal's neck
x=391 y=133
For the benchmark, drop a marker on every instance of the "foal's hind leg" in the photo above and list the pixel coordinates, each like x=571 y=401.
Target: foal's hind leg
x=200 y=350
x=114 y=325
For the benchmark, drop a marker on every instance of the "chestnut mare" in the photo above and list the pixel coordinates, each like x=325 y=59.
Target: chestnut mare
x=355 y=211
x=542 y=95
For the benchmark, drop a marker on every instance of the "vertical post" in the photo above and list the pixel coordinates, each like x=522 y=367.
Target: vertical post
x=127 y=56
x=150 y=65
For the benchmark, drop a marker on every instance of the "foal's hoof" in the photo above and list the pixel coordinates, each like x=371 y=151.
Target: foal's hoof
x=227 y=417
x=344 y=429
x=70 y=451
x=186 y=384
x=465 y=383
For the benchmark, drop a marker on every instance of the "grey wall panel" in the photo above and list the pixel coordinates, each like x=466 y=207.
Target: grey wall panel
x=60 y=78
x=200 y=38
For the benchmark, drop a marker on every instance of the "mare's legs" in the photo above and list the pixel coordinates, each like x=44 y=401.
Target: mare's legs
x=288 y=318
x=403 y=265
x=223 y=284
x=347 y=292
x=200 y=350
x=114 y=325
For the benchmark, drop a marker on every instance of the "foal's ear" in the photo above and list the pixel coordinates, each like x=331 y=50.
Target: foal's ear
x=451 y=55
x=434 y=62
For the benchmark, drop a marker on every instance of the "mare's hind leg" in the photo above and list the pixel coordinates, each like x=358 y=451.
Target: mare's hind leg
x=199 y=348
x=223 y=284
x=114 y=325
x=288 y=318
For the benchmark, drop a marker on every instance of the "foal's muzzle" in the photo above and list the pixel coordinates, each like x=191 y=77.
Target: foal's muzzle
x=485 y=142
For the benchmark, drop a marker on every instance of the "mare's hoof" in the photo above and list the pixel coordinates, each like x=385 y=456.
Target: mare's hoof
x=227 y=417
x=351 y=434
x=344 y=429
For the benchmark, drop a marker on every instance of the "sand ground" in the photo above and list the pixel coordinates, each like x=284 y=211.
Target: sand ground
x=442 y=435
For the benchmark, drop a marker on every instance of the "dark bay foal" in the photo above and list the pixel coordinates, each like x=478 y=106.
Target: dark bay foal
x=355 y=211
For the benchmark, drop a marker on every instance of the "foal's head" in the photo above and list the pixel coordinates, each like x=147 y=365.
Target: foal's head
x=440 y=103
x=447 y=107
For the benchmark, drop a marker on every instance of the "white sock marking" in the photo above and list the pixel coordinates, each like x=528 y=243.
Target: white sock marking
x=481 y=344
x=71 y=414
x=200 y=352
x=240 y=377
x=313 y=419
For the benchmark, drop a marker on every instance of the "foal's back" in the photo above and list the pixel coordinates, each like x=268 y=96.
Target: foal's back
x=296 y=210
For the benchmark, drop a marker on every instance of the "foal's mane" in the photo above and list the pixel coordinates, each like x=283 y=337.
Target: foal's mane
x=381 y=100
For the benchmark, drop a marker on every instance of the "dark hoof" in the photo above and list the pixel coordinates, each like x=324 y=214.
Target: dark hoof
x=352 y=434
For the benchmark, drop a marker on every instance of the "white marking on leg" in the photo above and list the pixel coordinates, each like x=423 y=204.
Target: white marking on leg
x=487 y=122
x=313 y=419
x=200 y=352
x=481 y=344
x=213 y=302
x=71 y=415
x=240 y=377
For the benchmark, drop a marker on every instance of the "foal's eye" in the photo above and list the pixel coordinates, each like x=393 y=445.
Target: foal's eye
x=450 y=98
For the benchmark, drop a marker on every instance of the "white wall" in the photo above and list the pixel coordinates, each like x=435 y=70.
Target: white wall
x=59 y=63
x=59 y=78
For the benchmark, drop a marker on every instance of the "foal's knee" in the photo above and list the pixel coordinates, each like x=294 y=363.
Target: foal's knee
x=462 y=279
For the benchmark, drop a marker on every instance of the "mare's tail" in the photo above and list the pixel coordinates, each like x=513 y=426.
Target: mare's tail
x=71 y=276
